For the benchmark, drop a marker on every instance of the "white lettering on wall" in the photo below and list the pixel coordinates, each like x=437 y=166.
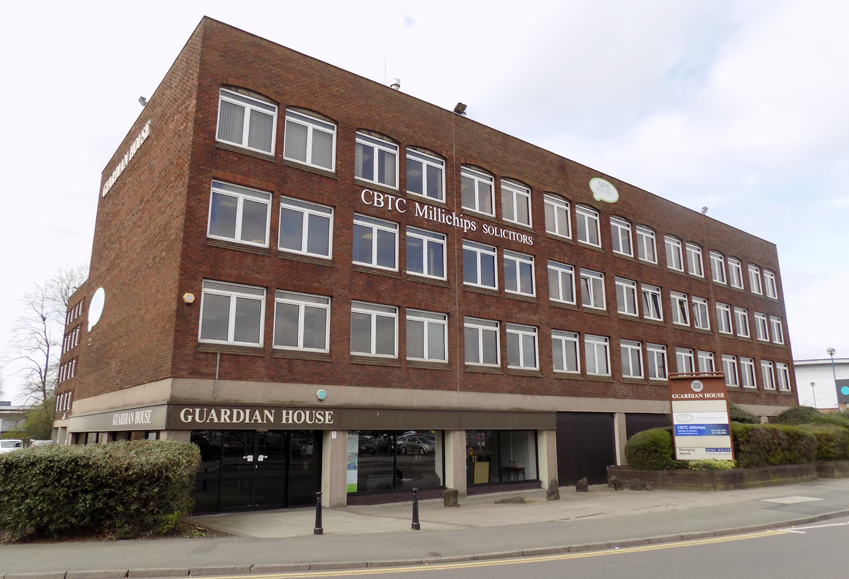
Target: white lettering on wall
x=131 y=417
x=249 y=416
x=125 y=160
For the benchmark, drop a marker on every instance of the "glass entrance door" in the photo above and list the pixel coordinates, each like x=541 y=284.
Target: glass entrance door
x=270 y=469
x=237 y=470
x=304 y=479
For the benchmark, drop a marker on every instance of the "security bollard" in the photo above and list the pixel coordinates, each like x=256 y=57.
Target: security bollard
x=318 y=530
x=416 y=526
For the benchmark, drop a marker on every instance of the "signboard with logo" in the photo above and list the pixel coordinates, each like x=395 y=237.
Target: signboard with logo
x=700 y=422
x=842 y=391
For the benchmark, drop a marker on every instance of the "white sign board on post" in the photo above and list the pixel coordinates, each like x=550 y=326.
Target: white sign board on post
x=701 y=427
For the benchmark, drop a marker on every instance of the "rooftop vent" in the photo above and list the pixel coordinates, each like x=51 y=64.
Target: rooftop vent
x=395 y=84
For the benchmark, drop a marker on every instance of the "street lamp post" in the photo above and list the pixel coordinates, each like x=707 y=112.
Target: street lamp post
x=814 y=393
x=831 y=352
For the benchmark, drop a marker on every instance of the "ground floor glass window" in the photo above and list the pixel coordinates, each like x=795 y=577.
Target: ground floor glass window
x=494 y=456
x=395 y=460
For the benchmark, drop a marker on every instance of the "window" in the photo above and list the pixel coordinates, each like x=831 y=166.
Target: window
x=310 y=141
x=231 y=314
x=626 y=297
x=425 y=253
x=674 y=260
x=239 y=214
x=717 y=267
x=735 y=273
x=375 y=242
x=597 y=355
x=657 y=361
x=515 y=203
x=755 y=280
x=679 y=308
x=646 y=248
x=564 y=350
x=783 y=376
x=592 y=289
x=588 y=231
x=477 y=191
x=561 y=282
x=723 y=318
x=652 y=305
x=729 y=368
x=376 y=161
x=301 y=322
x=768 y=375
x=684 y=358
x=621 y=233
x=481 y=339
x=741 y=319
x=518 y=273
x=747 y=373
x=771 y=284
x=427 y=336
x=479 y=265
x=557 y=216
x=246 y=122
x=374 y=330
x=632 y=359
x=694 y=260
x=705 y=361
x=425 y=175
x=777 y=333
x=762 y=327
x=305 y=228
x=521 y=347
x=700 y=313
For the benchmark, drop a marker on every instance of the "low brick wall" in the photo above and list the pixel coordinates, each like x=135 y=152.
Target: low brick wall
x=724 y=480
x=833 y=469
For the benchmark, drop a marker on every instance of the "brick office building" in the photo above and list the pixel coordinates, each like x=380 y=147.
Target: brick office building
x=329 y=284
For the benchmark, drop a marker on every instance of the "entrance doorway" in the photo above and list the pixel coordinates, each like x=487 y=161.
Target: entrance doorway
x=247 y=470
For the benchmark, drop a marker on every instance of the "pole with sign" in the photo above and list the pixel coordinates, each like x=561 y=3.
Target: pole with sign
x=701 y=428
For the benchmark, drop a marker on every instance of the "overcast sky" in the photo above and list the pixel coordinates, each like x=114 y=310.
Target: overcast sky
x=737 y=106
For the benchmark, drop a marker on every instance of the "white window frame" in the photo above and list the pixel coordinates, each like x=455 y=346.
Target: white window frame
x=515 y=192
x=724 y=319
x=683 y=357
x=776 y=330
x=628 y=348
x=302 y=301
x=481 y=326
x=478 y=177
x=695 y=266
x=706 y=361
x=680 y=307
x=627 y=302
x=480 y=249
x=591 y=345
x=755 y=283
x=241 y=194
x=588 y=216
x=427 y=238
x=741 y=320
x=747 y=372
x=657 y=362
x=646 y=238
x=729 y=368
x=735 y=273
x=701 y=315
x=312 y=124
x=771 y=284
x=559 y=224
x=376 y=225
x=652 y=299
x=306 y=209
x=520 y=332
x=232 y=291
x=250 y=104
x=620 y=231
x=592 y=294
x=717 y=267
x=378 y=144
x=428 y=318
x=768 y=375
x=560 y=271
x=427 y=161
x=559 y=341
x=519 y=259
x=783 y=371
x=374 y=310
x=674 y=257
x=761 y=327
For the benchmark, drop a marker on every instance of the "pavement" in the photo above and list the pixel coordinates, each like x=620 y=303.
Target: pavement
x=380 y=535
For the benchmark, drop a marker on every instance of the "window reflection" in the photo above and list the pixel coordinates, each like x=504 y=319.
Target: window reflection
x=494 y=456
x=394 y=460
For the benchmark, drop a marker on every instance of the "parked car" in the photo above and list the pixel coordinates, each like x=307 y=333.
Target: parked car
x=34 y=443
x=10 y=445
x=415 y=444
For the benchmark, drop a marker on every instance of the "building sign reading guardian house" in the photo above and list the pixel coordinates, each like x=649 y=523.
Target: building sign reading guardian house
x=211 y=417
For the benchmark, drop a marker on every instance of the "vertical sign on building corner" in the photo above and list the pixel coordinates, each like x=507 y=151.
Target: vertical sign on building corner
x=701 y=428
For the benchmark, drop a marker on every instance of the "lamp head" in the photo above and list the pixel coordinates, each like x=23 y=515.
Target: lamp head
x=831 y=351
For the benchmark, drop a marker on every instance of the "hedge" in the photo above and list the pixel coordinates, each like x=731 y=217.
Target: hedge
x=772 y=445
x=123 y=489
x=832 y=440
x=650 y=449
x=737 y=414
x=797 y=415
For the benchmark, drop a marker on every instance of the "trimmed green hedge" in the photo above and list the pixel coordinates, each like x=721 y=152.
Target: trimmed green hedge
x=122 y=489
x=797 y=415
x=832 y=440
x=772 y=445
x=737 y=414
x=650 y=449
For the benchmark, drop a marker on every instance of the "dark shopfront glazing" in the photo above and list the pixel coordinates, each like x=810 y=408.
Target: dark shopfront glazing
x=243 y=469
x=500 y=456
x=394 y=460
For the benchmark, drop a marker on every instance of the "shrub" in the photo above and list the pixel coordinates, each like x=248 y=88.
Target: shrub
x=123 y=489
x=832 y=440
x=737 y=414
x=772 y=445
x=712 y=465
x=650 y=449
x=797 y=415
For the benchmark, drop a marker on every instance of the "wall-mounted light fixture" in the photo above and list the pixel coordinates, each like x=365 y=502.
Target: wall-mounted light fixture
x=188 y=298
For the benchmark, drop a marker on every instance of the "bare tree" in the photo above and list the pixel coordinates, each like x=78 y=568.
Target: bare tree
x=63 y=285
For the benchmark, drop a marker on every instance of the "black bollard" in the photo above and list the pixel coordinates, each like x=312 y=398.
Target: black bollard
x=318 y=530
x=416 y=526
